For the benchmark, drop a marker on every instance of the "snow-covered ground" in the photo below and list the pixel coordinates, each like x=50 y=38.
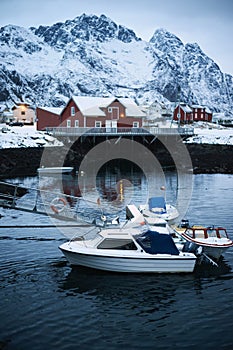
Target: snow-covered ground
x=28 y=136
x=208 y=133
x=25 y=136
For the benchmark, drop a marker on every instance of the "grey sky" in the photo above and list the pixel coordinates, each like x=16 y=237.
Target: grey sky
x=207 y=22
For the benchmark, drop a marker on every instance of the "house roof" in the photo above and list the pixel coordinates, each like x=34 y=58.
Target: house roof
x=185 y=108
x=54 y=110
x=200 y=107
x=91 y=106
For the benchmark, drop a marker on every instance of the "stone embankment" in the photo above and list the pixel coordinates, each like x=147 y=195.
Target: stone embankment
x=25 y=161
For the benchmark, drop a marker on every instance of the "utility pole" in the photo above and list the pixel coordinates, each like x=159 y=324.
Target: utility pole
x=177 y=99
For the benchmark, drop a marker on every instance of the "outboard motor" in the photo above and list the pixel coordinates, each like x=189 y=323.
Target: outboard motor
x=190 y=247
x=184 y=223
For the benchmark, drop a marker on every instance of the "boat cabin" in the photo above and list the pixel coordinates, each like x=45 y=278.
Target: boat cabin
x=206 y=232
x=151 y=242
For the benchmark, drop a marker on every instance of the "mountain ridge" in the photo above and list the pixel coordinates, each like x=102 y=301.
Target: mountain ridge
x=92 y=55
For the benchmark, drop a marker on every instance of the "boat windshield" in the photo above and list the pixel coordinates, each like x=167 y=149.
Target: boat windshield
x=222 y=233
x=211 y=232
x=114 y=243
x=156 y=243
x=157 y=204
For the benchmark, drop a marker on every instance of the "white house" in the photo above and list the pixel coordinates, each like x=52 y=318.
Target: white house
x=23 y=112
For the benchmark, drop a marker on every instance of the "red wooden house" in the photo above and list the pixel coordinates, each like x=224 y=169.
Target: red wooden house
x=182 y=113
x=201 y=113
x=188 y=114
x=93 y=112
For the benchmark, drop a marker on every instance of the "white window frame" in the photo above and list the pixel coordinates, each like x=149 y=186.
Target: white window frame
x=98 y=124
x=68 y=123
x=135 y=124
x=76 y=123
x=72 y=111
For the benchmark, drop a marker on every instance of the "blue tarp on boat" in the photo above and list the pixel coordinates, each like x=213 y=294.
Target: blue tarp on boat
x=157 y=203
x=157 y=243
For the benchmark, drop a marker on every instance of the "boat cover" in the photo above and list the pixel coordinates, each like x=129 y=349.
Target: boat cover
x=154 y=242
x=156 y=204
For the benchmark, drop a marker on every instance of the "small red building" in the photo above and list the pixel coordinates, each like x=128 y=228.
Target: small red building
x=48 y=117
x=188 y=114
x=93 y=112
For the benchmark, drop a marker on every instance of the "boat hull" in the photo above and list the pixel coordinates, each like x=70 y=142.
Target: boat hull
x=156 y=264
x=213 y=251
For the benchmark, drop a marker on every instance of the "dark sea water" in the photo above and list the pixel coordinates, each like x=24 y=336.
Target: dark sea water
x=46 y=305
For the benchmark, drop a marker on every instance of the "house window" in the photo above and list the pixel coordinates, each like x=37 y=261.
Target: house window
x=135 y=124
x=76 y=123
x=109 y=109
x=98 y=124
x=68 y=123
x=72 y=111
x=22 y=112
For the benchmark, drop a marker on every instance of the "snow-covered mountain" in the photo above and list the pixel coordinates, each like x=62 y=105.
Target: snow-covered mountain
x=92 y=55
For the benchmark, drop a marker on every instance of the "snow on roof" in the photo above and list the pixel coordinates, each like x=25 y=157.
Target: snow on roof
x=186 y=108
x=201 y=107
x=91 y=106
x=196 y=106
x=132 y=109
x=55 y=110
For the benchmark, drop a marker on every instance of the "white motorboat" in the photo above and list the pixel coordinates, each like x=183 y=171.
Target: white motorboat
x=129 y=250
x=214 y=241
x=55 y=170
x=158 y=208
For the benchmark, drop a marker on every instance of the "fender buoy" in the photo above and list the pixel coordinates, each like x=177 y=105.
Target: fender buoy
x=58 y=205
x=103 y=218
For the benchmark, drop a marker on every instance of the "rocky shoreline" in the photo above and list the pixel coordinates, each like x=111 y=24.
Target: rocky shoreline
x=211 y=158
x=16 y=162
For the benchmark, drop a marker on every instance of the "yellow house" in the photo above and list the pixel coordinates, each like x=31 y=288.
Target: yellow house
x=23 y=112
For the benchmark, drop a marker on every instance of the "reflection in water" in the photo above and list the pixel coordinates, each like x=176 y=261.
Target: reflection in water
x=147 y=292
x=135 y=287
x=163 y=306
x=208 y=270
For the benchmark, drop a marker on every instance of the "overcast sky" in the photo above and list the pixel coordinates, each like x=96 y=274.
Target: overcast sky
x=207 y=22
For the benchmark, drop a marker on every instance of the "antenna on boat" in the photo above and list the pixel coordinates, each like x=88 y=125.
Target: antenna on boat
x=103 y=217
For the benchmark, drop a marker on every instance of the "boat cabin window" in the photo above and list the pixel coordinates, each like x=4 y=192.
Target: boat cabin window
x=113 y=243
x=222 y=233
x=160 y=224
x=211 y=232
x=199 y=234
